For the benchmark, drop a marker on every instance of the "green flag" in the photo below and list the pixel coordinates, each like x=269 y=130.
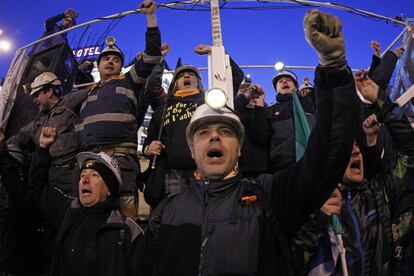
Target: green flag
x=302 y=128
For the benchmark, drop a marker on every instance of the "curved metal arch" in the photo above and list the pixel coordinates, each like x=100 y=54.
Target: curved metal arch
x=192 y=2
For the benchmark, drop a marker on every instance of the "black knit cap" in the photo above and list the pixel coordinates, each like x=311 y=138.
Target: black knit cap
x=107 y=175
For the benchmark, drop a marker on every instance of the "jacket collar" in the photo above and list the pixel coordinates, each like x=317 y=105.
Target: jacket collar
x=219 y=188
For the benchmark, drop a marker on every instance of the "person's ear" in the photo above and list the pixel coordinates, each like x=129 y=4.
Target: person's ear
x=191 y=146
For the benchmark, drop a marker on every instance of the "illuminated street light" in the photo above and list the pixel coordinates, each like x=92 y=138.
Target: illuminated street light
x=1 y=31
x=279 y=66
x=248 y=78
x=5 y=45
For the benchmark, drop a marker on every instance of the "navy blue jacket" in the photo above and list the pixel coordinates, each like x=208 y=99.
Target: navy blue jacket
x=110 y=114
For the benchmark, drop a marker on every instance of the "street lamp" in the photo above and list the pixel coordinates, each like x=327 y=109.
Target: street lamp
x=5 y=45
x=279 y=66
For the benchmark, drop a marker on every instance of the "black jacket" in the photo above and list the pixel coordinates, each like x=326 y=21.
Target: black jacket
x=369 y=208
x=197 y=233
x=20 y=242
x=254 y=158
x=51 y=27
x=383 y=68
x=62 y=116
x=176 y=118
x=172 y=120
x=277 y=130
x=116 y=239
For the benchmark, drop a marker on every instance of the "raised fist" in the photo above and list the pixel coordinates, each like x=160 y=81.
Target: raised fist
x=202 y=49
x=323 y=32
x=71 y=13
x=366 y=86
x=148 y=7
x=371 y=125
x=47 y=136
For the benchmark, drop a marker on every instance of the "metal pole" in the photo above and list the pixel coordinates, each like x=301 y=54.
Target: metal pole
x=298 y=67
x=395 y=41
x=331 y=5
x=112 y=16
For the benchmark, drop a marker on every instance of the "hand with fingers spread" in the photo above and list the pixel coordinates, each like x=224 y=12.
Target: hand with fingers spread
x=333 y=204
x=47 y=137
x=203 y=49
x=366 y=86
x=154 y=148
x=323 y=32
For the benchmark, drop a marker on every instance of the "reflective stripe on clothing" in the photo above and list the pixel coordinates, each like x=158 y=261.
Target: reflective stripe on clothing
x=151 y=59
x=108 y=117
x=127 y=92
x=137 y=79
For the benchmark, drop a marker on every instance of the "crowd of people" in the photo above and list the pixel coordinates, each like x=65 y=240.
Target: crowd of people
x=255 y=190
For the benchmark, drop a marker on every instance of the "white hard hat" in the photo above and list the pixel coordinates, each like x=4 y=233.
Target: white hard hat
x=111 y=49
x=204 y=114
x=103 y=158
x=42 y=80
x=286 y=74
x=306 y=84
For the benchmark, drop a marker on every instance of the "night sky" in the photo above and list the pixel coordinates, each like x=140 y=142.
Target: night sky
x=251 y=37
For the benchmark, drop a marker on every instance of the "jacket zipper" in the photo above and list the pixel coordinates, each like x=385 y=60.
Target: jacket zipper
x=204 y=229
x=357 y=232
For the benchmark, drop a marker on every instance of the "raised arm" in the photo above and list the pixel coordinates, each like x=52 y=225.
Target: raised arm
x=306 y=185
x=154 y=92
x=236 y=72
x=51 y=22
x=394 y=119
x=52 y=202
x=151 y=56
x=383 y=72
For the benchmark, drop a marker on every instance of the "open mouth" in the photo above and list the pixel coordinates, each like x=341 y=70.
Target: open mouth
x=215 y=153
x=187 y=82
x=86 y=191
x=356 y=165
x=285 y=86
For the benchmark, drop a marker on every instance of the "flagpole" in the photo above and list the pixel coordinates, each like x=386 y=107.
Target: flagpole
x=337 y=228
